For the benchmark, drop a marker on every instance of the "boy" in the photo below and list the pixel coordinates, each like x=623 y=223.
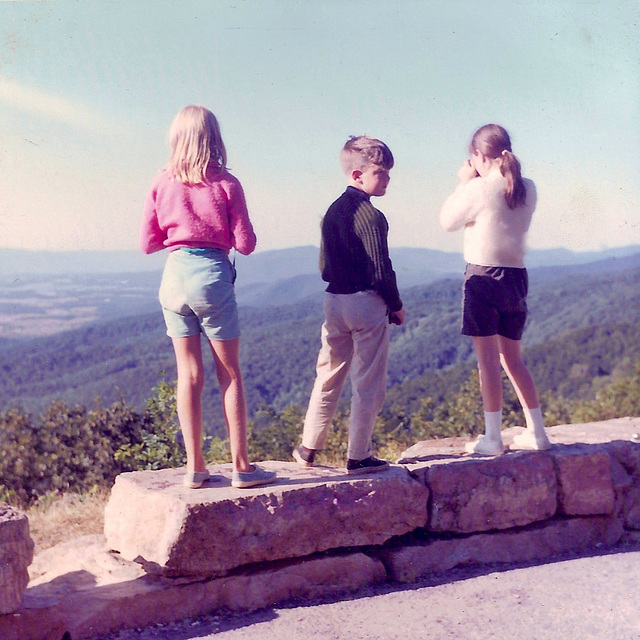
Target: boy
x=361 y=300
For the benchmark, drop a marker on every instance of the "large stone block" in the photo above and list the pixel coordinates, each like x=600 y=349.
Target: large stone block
x=88 y=592
x=625 y=468
x=627 y=453
x=605 y=432
x=537 y=542
x=152 y=519
x=497 y=493
x=16 y=554
x=585 y=483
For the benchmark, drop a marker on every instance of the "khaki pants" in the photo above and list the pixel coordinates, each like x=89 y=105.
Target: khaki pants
x=355 y=340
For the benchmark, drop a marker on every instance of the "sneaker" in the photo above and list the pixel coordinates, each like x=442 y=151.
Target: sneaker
x=527 y=440
x=195 y=479
x=482 y=446
x=255 y=478
x=368 y=465
x=303 y=456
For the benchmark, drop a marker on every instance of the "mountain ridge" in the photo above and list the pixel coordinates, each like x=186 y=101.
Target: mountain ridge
x=278 y=262
x=125 y=356
x=41 y=303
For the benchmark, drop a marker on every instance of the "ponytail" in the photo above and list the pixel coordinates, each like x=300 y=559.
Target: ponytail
x=515 y=192
x=493 y=141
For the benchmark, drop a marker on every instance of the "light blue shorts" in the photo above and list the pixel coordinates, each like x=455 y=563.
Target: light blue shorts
x=197 y=295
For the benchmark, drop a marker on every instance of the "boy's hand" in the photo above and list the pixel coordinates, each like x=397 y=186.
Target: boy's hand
x=397 y=317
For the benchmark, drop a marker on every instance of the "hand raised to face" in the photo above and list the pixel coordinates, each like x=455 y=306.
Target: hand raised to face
x=467 y=172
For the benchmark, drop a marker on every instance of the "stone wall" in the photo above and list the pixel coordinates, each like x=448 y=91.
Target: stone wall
x=572 y=496
x=170 y=553
x=176 y=532
x=16 y=554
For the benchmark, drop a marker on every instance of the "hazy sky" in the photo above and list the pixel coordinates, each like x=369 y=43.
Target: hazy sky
x=89 y=88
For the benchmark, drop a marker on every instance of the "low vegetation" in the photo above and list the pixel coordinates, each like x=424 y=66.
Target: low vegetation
x=74 y=509
x=57 y=518
x=570 y=316
x=59 y=461
x=78 y=450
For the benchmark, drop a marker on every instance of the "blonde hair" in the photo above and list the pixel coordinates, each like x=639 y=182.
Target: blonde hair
x=361 y=151
x=196 y=145
x=493 y=141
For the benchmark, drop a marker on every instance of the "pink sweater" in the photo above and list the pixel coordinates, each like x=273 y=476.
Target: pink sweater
x=212 y=215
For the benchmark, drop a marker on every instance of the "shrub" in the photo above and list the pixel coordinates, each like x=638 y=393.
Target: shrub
x=66 y=449
x=74 y=449
x=618 y=399
x=158 y=445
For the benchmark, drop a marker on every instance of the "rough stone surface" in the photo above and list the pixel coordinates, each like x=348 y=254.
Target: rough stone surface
x=86 y=589
x=585 y=482
x=411 y=562
x=85 y=562
x=625 y=466
x=605 y=432
x=173 y=531
x=494 y=493
x=100 y=593
x=16 y=554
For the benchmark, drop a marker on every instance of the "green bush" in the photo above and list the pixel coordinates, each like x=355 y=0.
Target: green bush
x=66 y=449
x=157 y=445
x=618 y=399
x=273 y=434
x=75 y=449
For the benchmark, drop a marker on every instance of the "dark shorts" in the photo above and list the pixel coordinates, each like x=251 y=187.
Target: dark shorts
x=494 y=301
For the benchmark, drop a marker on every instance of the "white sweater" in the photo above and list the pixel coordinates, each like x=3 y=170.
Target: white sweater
x=494 y=235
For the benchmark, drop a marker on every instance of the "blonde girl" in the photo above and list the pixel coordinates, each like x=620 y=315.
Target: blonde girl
x=494 y=204
x=196 y=209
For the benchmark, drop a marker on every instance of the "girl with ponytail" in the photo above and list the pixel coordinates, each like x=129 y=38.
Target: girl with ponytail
x=494 y=204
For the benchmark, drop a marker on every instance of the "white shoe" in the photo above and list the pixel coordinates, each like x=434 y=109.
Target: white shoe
x=482 y=446
x=527 y=440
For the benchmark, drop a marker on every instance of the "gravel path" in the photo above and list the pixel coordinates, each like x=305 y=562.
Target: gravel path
x=586 y=598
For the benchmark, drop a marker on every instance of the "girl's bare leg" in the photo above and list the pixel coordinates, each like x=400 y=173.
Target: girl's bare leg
x=188 y=398
x=227 y=361
x=488 y=354
x=511 y=358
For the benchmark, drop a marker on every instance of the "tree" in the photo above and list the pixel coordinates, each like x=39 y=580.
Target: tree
x=618 y=399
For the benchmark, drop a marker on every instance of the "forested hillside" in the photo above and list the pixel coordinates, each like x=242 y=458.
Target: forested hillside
x=572 y=366
x=582 y=325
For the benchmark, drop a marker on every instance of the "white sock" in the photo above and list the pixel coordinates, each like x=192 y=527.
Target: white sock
x=493 y=425
x=535 y=423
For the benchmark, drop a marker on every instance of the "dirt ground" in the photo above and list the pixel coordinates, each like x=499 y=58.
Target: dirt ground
x=590 y=597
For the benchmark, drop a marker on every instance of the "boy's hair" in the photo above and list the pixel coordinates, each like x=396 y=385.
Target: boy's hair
x=361 y=151
x=493 y=141
x=196 y=145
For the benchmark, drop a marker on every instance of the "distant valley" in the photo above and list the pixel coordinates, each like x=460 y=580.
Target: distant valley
x=45 y=293
x=116 y=343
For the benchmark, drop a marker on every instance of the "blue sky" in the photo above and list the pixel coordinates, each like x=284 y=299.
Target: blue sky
x=89 y=88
